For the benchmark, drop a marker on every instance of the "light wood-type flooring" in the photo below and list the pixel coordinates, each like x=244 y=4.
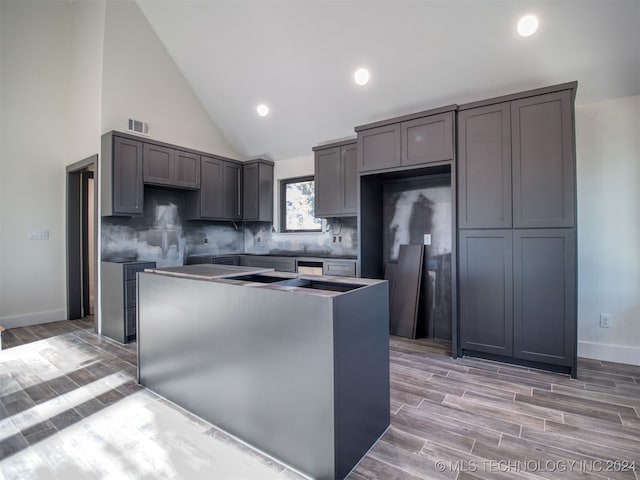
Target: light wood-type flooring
x=69 y=405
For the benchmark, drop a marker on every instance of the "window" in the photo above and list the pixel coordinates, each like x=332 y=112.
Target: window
x=297 y=201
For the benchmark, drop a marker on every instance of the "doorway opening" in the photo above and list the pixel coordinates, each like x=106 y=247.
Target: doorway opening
x=82 y=212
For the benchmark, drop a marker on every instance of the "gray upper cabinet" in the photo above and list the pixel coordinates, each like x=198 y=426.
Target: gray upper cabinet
x=544 y=288
x=210 y=195
x=517 y=163
x=186 y=169
x=121 y=176
x=379 y=148
x=157 y=164
x=543 y=161
x=427 y=140
x=170 y=167
x=219 y=194
x=349 y=155
x=232 y=190
x=484 y=167
x=409 y=141
x=257 y=191
x=486 y=291
x=336 y=178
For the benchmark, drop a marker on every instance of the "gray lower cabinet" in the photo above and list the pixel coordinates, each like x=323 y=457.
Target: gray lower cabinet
x=486 y=298
x=336 y=179
x=215 y=259
x=121 y=176
x=544 y=295
x=281 y=264
x=220 y=191
x=118 y=280
x=340 y=268
x=257 y=191
x=226 y=260
x=170 y=167
x=518 y=294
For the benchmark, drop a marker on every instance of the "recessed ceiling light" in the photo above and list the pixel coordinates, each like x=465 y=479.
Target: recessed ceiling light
x=528 y=25
x=361 y=76
x=262 y=110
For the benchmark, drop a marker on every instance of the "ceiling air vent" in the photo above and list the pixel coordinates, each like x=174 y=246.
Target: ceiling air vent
x=137 y=126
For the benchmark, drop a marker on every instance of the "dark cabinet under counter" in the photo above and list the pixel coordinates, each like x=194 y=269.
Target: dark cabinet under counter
x=119 y=298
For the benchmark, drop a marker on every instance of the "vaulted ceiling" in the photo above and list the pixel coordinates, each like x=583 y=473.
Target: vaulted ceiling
x=298 y=57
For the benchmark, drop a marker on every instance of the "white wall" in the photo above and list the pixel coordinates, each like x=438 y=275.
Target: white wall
x=85 y=95
x=608 y=174
x=35 y=41
x=71 y=71
x=141 y=81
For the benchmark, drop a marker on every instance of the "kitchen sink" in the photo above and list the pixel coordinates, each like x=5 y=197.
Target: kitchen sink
x=255 y=278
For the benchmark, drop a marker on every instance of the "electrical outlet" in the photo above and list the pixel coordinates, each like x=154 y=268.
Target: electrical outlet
x=334 y=239
x=427 y=239
x=206 y=240
x=340 y=239
x=605 y=320
x=258 y=239
x=38 y=235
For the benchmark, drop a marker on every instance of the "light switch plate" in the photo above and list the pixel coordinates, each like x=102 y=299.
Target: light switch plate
x=427 y=239
x=605 y=320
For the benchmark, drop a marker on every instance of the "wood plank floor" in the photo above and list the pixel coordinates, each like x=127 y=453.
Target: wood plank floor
x=472 y=418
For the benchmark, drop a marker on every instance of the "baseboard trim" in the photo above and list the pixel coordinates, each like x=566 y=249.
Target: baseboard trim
x=33 y=318
x=609 y=353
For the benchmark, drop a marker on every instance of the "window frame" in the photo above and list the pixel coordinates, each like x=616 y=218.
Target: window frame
x=283 y=204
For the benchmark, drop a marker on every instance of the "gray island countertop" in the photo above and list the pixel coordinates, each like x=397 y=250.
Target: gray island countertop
x=295 y=365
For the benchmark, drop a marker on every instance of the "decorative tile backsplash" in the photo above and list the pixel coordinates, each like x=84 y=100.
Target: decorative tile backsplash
x=260 y=239
x=163 y=235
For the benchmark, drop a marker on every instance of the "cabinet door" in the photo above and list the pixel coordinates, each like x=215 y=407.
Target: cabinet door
x=211 y=188
x=545 y=295
x=157 y=165
x=257 y=191
x=186 y=170
x=349 y=155
x=328 y=179
x=428 y=139
x=543 y=161
x=379 y=148
x=484 y=167
x=486 y=292
x=250 y=191
x=231 y=191
x=128 y=189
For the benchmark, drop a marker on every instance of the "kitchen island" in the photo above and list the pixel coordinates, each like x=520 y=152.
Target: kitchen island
x=296 y=366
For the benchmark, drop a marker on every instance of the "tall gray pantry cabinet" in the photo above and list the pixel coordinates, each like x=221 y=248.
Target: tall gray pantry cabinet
x=517 y=227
